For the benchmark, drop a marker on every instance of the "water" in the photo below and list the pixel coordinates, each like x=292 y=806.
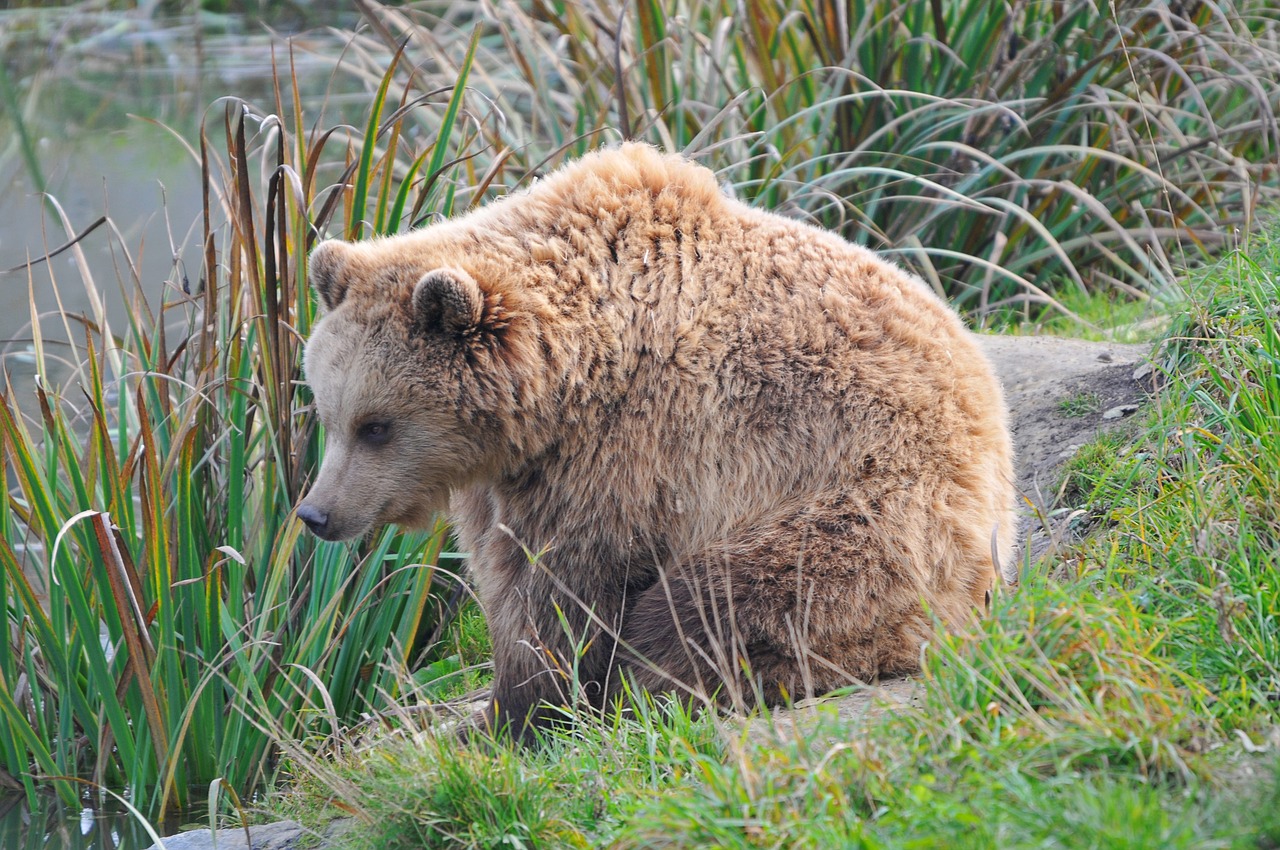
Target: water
x=52 y=826
x=90 y=88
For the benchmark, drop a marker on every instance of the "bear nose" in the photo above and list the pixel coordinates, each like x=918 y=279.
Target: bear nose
x=316 y=520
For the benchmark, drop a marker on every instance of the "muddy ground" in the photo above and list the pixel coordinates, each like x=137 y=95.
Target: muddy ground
x=1061 y=393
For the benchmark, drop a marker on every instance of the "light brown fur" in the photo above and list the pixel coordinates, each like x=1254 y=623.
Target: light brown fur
x=738 y=442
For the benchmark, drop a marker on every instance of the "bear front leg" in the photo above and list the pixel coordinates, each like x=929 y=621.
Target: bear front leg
x=551 y=650
x=533 y=648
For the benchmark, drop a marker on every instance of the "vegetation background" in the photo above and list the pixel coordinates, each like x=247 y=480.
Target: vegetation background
x=171 y=633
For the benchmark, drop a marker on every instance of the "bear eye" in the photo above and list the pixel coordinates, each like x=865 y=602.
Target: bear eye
x=374 y=433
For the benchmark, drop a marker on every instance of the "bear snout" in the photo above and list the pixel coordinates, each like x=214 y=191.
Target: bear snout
x=317 y=521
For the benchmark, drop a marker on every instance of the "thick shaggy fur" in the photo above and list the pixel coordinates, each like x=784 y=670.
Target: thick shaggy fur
x=747 y=457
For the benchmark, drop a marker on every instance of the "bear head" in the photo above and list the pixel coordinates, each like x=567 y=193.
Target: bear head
x=389 y=365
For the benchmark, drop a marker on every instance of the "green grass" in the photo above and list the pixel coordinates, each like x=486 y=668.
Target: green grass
x=420 y=788
x=1197 y=494
x=1100 y=315
x=465 y=651
x=1080 y=405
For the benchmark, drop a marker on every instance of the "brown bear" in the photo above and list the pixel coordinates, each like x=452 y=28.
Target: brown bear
x=683 y=441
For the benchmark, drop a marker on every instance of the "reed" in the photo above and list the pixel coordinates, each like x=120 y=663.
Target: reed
x=170 y=624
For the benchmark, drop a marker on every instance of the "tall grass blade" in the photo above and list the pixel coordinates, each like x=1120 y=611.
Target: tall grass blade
x=364 y=171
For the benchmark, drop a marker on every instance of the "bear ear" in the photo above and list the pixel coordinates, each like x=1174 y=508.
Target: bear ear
x=447 y=301
x=327 y=267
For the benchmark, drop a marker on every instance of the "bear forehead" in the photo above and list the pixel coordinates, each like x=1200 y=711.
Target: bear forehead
x=340 y=345
x=374 y=302
x=355 y=371
x=376 y=294
x=333 y=340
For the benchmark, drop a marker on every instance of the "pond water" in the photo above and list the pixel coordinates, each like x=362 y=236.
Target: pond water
x=88 y=89
x=53 y=827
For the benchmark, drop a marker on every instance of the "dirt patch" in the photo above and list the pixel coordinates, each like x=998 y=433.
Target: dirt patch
x=1061 y=394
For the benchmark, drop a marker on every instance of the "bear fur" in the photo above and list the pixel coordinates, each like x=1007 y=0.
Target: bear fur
x=683 y=441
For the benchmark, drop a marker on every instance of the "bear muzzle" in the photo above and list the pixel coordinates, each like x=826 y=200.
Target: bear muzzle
x=317 y=521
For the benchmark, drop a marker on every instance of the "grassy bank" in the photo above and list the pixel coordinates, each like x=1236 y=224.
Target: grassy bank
x=170 y=629
x=1127 y=695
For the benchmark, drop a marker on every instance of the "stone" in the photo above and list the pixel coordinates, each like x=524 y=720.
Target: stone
x=281 y=835
x=1120 y=411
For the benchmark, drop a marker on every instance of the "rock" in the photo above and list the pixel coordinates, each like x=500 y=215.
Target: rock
x=335 y=834
x=1119 y=411
x=863 y=705
x=281 y=835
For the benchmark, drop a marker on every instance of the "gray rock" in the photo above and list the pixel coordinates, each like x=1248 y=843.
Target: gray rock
x=281 y=835
x=335 y=834
x=1120 y=410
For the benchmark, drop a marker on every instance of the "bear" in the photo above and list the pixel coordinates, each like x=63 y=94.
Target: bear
x=688 y=446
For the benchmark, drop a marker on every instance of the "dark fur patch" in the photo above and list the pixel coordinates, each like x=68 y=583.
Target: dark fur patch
x=447 y=301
